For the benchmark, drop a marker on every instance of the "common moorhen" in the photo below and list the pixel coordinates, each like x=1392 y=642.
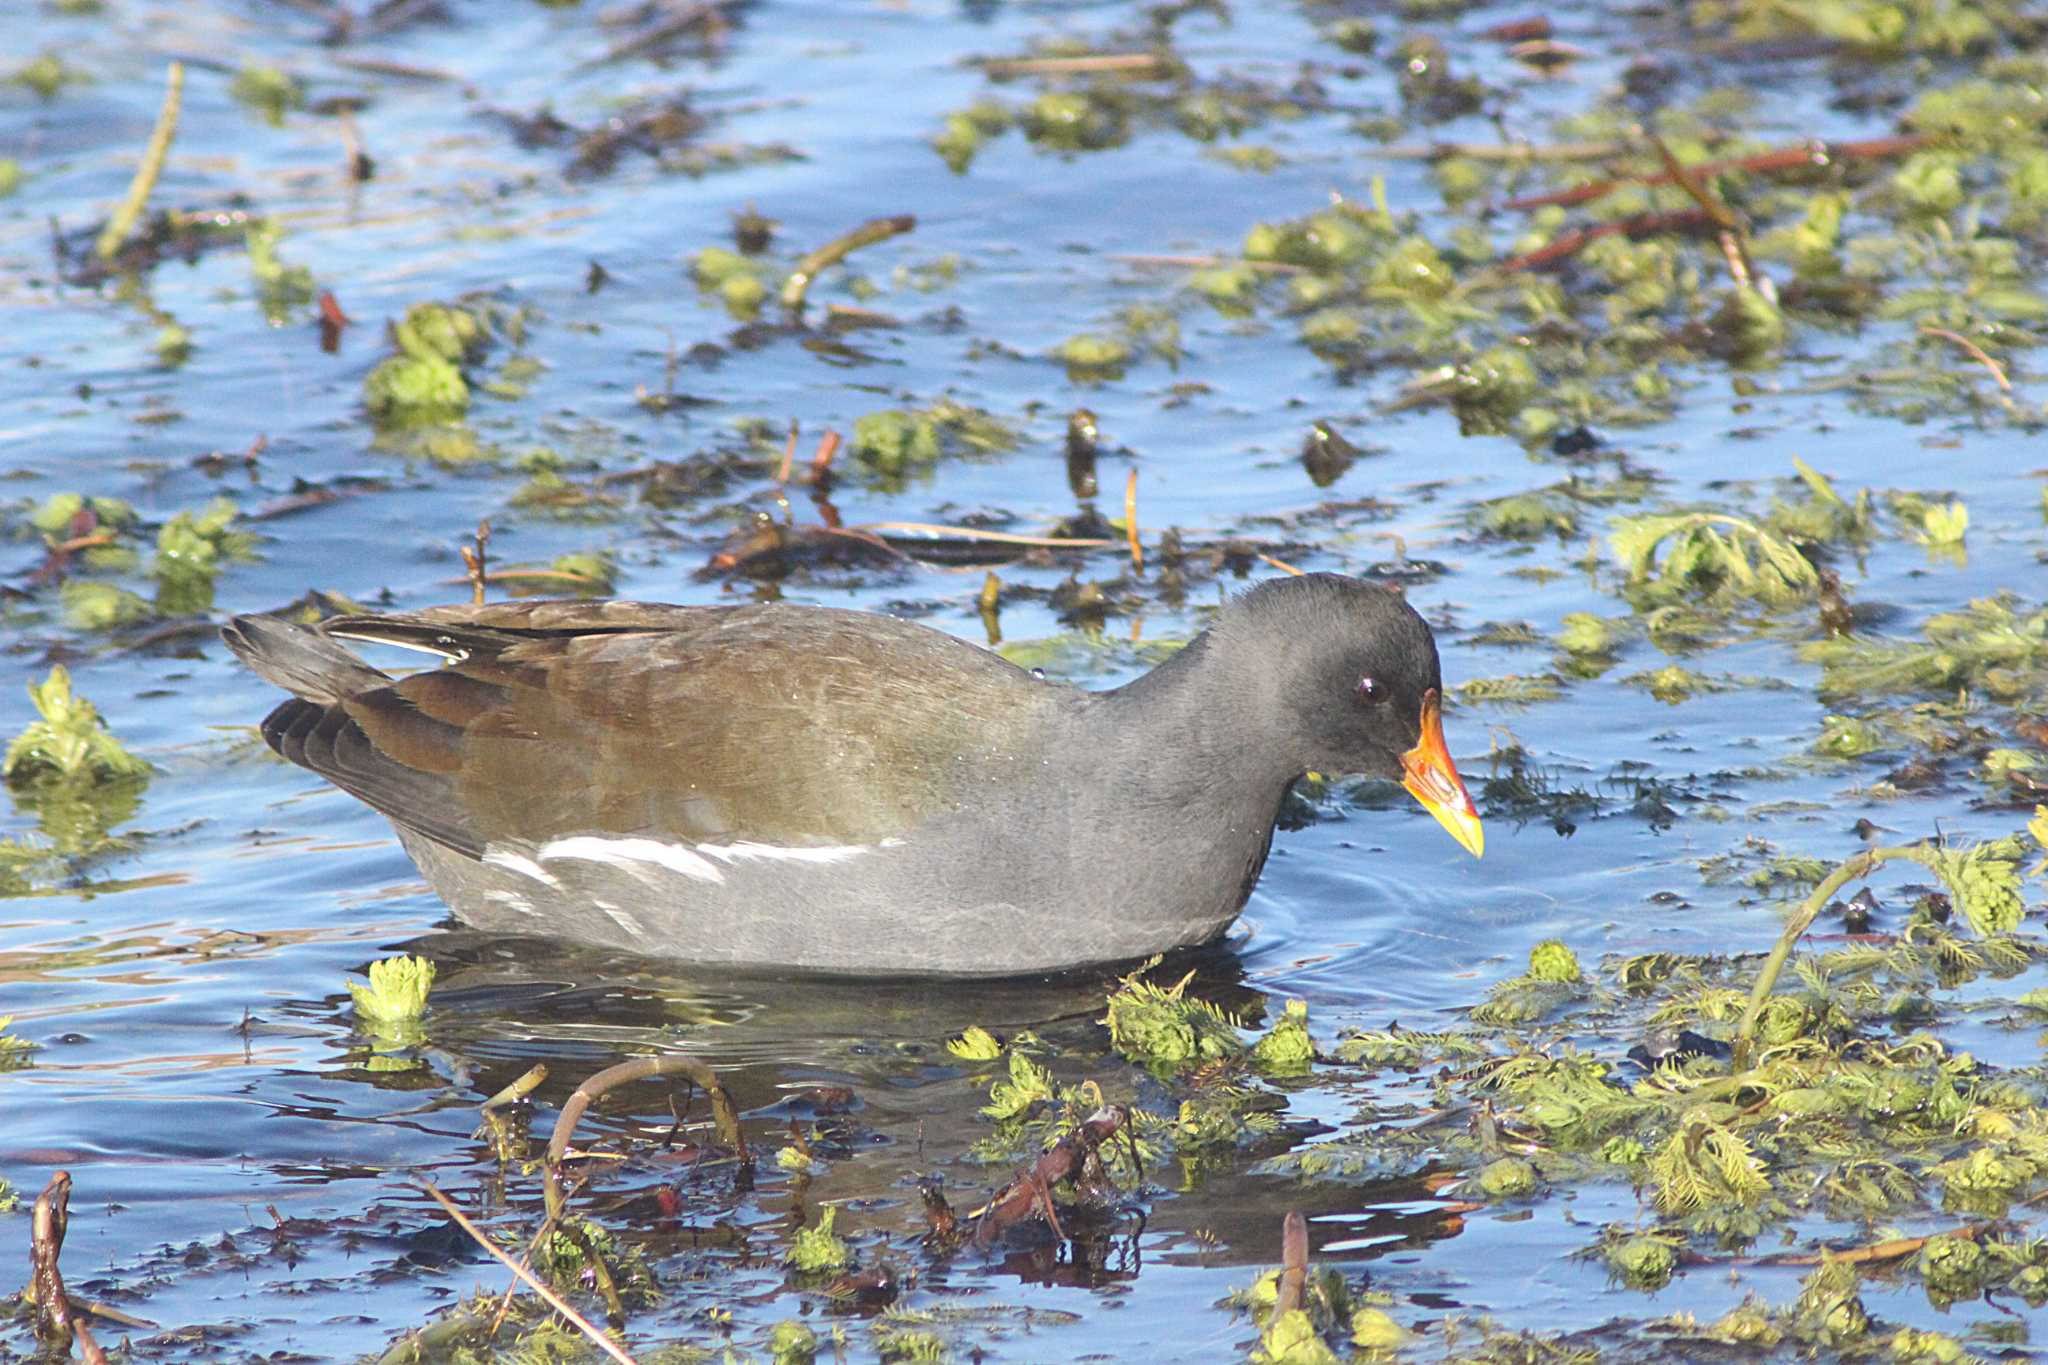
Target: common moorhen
x=784 y=786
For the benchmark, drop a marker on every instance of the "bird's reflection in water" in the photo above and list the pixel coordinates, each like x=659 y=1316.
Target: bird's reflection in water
x=860 y=1069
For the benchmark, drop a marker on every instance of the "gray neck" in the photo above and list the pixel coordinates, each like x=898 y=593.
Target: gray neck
x=1187 y=753
x=1185 y=765
x=1207 y=718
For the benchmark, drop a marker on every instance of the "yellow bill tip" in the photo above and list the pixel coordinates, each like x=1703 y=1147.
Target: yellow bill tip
x=1432 y=779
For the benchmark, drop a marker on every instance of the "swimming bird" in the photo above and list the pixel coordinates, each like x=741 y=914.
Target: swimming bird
x=826 y=790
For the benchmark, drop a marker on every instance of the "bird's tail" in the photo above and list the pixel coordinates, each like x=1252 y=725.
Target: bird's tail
x=303 y=660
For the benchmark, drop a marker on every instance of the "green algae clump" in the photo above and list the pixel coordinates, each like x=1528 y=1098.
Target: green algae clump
x=1291 y=1338
x=69 y=743
x=1160 y=1027
x=1287 y=1050
x=817 y=1250
x=899 y=441
x=1374 y=1330
x=1952 y=1268
x=1089 y=353
x=397 y=992
x=1508 y=1177
x=1587 y=635
x=792 y=1343
x=1642 y=1261
x=1553 y=960
x=1070 y=121
x=424 y=381
x=977 y=1044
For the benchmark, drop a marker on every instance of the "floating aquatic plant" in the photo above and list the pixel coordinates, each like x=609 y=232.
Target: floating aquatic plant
x=1165 y=1029
x=267 y=91
x=70 y=743
x=1549 y=982
x=77 y=778
x=1994 y=644
x=281 y=288
x=792 y=1343
x=1712 y=555
x=1287 y=1050
x=14 y=1052
x=396 y=993
x=424 y=381
x=977 y=1044
x=191 y=549
x=817 y=1249
x=900 y=441
x=738 y=280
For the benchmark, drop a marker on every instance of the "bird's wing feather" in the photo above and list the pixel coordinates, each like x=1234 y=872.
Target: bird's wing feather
x=769 y=723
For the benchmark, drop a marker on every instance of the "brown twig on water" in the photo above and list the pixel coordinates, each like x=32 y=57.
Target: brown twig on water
x=837 y=250
x=77 y=543
x=528 y=1082
x=58 y=1319
x=821 y=463
x=577 y=1235
x=332 y=322
x=1291 y=1290
x=1974 y=351
x=1131 y=523
x=513 y=573
x=473 y=559
x=1206 y=263
x=771 y=543
x=788 y=456
x=1873 y=1252
x=1503 y=151
x=46 y=1242
x=1812 y=153
x=1031 y=1191
x=1282 y=565
x=123 y=222
x=1693 y=182
x=925 y=528
x=847 y=315
x=1568 y=244
x=403 y=71
x=1519 y=30
x=1546 y=56
x=1733 y=231
x=357 y=164
x=1094 y=63
x=1740 y=269
x=708 y=16
x=554 y=1300
x=723 y=1114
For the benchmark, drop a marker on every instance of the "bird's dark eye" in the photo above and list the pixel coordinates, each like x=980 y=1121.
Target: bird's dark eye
x=1371 y=691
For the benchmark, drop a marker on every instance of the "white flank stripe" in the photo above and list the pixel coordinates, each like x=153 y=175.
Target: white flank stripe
x=507 y=898
x=451 y=653
x=631 y=855
x=513 y=861
x=829 y=853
